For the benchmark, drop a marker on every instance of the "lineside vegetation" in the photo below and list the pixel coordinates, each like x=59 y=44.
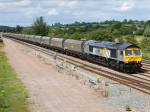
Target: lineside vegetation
x=13 y=95
x=109 y=30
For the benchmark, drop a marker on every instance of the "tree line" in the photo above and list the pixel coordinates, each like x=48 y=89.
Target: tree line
x=111 y=30
x=17 y=29
x=107 y=30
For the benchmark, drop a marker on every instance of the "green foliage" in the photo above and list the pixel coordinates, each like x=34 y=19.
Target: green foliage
x=16 y=29
x=111 y=30
x=117 y=25
x=108 y=30
x=120 y=40
x=19 y=29
x=145 y=43
x=76 y=36
x=12 y=92
x=100 y=34
x=7 y=29
x=139 y=31
x=1 y=40
x=131 y=39
x=147 y=31
x=117 y=36
x=146 y=55
x=128 y=108
x=127 y=29
x=27 y=30
x=40 y=27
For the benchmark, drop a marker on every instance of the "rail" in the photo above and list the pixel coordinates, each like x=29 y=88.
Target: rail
x=133 y=81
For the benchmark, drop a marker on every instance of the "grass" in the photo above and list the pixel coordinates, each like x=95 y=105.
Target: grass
x=139 y=38
x=146 y=55
x=1 y=40
x=145 y=52
x=128 y=108
x=13 y=95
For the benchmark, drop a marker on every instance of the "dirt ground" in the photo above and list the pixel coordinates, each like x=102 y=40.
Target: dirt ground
x=49 y=90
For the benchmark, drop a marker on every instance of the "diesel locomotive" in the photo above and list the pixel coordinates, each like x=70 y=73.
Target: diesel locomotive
x=120 y=56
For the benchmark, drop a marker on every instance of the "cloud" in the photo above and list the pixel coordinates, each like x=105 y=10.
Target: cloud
x=67 y=11
x=52 y=12
x=127 y=5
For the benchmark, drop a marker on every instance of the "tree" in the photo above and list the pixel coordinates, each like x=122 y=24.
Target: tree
x=76 y=36
x=117 y=36
x=40 y=27
x=117 y=25
x=147 y=31
x=19 y=29
x=100 y=34
x=145 y=42
x=27 y=30
x=125 y=21
x=127 y=29
x=131 y=39
x=139 y=31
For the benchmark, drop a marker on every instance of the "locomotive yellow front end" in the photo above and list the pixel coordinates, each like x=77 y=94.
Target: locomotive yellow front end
x=133 y=58
x=132 y=55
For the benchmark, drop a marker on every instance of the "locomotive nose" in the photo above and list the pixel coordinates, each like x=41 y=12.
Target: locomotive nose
x=133 y=59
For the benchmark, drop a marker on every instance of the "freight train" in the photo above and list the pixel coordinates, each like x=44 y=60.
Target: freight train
x=119 y=56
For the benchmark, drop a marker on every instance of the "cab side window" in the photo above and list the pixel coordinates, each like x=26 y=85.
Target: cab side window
x=90 y=48
x=121 y=53
x=113 y=53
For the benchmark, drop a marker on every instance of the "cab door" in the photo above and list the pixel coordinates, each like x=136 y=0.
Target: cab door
x=120 y=55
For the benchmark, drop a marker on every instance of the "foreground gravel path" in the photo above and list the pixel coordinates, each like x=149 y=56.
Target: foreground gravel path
x=51 y=91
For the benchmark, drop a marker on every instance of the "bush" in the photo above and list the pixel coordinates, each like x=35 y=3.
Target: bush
x=1 y=40
x=131 y=39
x=145 y=44
x=128 y=108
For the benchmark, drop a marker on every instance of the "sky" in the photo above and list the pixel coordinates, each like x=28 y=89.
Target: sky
x=24 y=12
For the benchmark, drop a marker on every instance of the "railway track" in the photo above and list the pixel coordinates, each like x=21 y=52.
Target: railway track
x=147 y=75
x=146 y=61
x=135 y=81
x=146 y=67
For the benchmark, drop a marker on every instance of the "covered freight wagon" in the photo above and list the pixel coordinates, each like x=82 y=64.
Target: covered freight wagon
x=57 y=43
x=37 y=39
x=45 y=41
x=74 y=46
x=31 y=38
x=26 y=37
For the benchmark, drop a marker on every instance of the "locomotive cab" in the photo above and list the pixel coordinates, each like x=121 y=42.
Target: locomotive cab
x=132 y=58
x=132 y=55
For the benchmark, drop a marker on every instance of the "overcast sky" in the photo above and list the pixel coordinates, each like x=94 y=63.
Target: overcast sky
x=23 y=12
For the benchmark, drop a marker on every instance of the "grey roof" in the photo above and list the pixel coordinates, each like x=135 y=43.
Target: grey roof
x=57 y=39
x=101 y=44
x=73 y=41
x=124 y=45
x=112 y=45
